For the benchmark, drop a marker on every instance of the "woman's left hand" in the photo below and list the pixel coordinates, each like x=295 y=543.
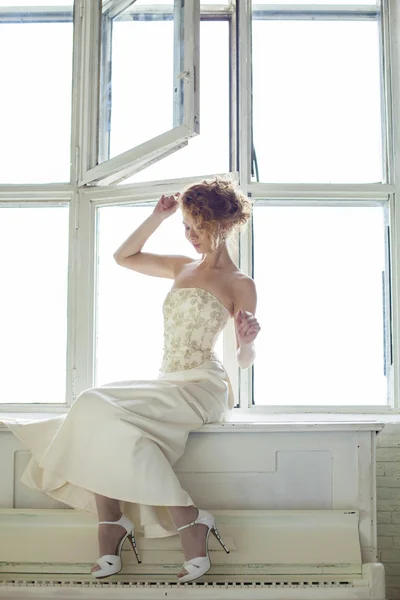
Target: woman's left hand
x=247 y=327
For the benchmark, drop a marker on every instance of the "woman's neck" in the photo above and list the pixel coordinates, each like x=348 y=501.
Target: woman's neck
x=220 y=259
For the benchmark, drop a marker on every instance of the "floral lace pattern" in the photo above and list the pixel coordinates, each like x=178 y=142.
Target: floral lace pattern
x=193 y=321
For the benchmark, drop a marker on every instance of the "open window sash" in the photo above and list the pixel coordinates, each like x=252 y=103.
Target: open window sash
x=184 y=88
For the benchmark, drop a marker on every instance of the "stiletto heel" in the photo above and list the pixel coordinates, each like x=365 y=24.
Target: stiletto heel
x=219 y=538
x=196 y=567
x=111 y=563
x=131 y=538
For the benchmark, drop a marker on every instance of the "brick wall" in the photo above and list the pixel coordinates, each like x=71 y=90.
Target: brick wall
x=388 y=506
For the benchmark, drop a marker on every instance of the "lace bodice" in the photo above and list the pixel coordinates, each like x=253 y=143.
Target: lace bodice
x=193 y=321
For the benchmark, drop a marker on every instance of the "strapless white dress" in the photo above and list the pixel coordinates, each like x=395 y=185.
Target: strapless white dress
x=122 y=438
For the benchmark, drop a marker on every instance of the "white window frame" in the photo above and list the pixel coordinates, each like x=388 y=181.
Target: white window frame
x=84 y=197
x=92 y=141
x=270 y=195
x=91 y=199
x=307 y=193
x=40 y=196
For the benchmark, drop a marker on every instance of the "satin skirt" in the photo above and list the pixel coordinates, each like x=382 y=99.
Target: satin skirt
x=121 y=440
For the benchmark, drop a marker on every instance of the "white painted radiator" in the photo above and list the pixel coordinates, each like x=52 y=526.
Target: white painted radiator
x=276 y=554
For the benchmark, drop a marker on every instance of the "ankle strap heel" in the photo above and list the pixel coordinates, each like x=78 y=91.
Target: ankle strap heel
x=196 y=567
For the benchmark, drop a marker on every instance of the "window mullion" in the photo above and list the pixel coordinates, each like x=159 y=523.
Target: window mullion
x=88 y=88
x=105 y=87
x=233 y=94
x=244 y=92
x=385 y=45
x=391 y=18
x=75 y=104
x=86 y=136
x=328 y=12
x=191 y=70
x=318 y=191
x=72 y=303
x=244 y=156
x=35 y=14
x=246 y=265
x=229 y=338
x=120 y=194
x=83 y=296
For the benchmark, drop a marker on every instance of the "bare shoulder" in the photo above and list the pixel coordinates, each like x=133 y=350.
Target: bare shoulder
x=243 y=284
x=180 y=259
x=244 y=293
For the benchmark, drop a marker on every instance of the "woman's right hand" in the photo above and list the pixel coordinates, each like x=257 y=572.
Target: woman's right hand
x=166 y=206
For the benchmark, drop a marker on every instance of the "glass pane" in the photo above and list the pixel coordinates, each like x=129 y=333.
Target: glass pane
x=317 y=2
x=317 y=114
x=36 y=97
x=156 y=2
x=209 y=151
x=129 y=304
x=319 y=276
x=33 y=303
x=142 y=45
x=29 y=3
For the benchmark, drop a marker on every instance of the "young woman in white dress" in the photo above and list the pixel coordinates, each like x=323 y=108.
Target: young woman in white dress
x=211 y=212
x=112 y=453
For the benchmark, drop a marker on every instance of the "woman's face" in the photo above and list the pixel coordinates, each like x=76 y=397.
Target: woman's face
x=196 y=235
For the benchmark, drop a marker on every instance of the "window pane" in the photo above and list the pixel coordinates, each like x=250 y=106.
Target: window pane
x=129 y=304
x=319 y=274
x=35 y=3
x=209 y=151
x=317 y=114
x=316 y=2
x=136 y=45
x=33 y=303
x=164 y=2
x=135 y=91
x=36 y=99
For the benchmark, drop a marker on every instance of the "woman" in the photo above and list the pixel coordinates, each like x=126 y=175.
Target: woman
x=112 y=454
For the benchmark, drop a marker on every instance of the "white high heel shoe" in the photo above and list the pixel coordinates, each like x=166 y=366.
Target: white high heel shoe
x=196 y=567
x=111 y=563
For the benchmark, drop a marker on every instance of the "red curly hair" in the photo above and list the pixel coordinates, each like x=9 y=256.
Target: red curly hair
x=217 y=206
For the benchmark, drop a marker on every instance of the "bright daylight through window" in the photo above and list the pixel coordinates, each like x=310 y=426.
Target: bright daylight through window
x=289 y=100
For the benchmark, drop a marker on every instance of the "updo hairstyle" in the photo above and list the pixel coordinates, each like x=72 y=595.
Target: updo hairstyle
x=217 y=206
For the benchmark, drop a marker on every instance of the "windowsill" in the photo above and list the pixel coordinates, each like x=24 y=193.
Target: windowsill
x=265 y=422
x=250 y=417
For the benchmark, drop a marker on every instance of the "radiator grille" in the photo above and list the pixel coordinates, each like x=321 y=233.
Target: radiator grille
x=298 y=583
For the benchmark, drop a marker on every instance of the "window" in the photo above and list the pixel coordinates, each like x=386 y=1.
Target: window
x=297 y=102
x=317 y=103
x=322 y=266
x=320 y=276
x=33 y=302
x=137 y=41
x=208 y=152
x=36 y=93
